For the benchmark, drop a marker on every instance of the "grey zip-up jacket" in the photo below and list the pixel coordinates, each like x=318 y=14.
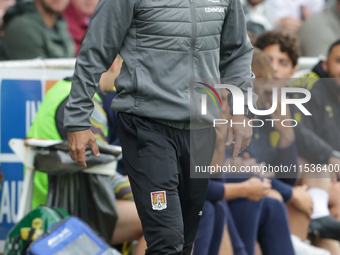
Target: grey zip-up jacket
x=165 y=45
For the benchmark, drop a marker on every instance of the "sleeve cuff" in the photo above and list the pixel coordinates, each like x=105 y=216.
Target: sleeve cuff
x=284 y=189
x=101 y=93
x=215 y=191
x=74 y=129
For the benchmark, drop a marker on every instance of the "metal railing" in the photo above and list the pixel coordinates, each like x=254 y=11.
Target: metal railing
x=39 y=63
x=68 y=63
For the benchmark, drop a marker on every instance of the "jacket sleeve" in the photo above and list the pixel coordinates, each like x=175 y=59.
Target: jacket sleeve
x=284 y=189
x=105 y=35
x=236 y=52
x=215 y=191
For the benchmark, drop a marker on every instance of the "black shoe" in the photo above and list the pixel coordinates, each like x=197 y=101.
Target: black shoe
x=325 y=227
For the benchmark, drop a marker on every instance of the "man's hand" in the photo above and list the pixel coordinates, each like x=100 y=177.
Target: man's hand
x=302 y=201
x=78 y=141
x=242 y=134
x=256 y=189
x=253 y=189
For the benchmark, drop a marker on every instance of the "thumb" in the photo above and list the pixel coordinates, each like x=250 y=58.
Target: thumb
x=305 y=187
x=95 y=148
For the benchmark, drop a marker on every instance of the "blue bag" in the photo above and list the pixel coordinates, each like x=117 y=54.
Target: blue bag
x=70 y=237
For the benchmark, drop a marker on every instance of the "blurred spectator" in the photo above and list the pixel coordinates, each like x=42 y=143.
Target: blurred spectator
x=318 y=188
x=36 y=29
x=256 y=13
x=283 y=50
x=288 y=15
x=77 y=16
x=310 y=146
x=320 y=31
x=276 y=147
x=324 y=123
x=267 y=223
x=51 y=115
x=4 y=5
x=281 y=146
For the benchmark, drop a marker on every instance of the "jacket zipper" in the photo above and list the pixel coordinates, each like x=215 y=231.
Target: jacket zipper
x=192 y=51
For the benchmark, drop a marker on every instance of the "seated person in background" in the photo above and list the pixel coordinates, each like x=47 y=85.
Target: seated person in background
x=275 y=145
x=228 y=205
x=288 y=15
x=48 y=124
x=36 y=29
x=320 y=152
x=77 y=15
x=4 y=5
x=256 y=13
x=267 y=222
x=283 y=52
x=320 y=31
x=324 y=123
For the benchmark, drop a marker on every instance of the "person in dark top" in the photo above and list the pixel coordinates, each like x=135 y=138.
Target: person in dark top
x=324 y=123
x=284 y=58
x=275 y=145
x=310 y=146
x=324 y=106
x=36 y=29
x=230 y=203
x=77 y=15
x=166 y=46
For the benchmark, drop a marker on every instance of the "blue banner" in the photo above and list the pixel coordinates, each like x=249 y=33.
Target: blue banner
x=20 y=100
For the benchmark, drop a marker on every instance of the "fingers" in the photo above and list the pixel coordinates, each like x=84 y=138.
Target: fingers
x=266 y=180
x=78 y=155
x=267 y=185
x=94 y=147
x=81 y=158
x=242 y=141
x=78 y=141
x=242 y=135
x=230 y=136
x=267 y=174
x=237 y=146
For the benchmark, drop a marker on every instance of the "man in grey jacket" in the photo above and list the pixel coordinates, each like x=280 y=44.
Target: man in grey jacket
x=166 y=46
